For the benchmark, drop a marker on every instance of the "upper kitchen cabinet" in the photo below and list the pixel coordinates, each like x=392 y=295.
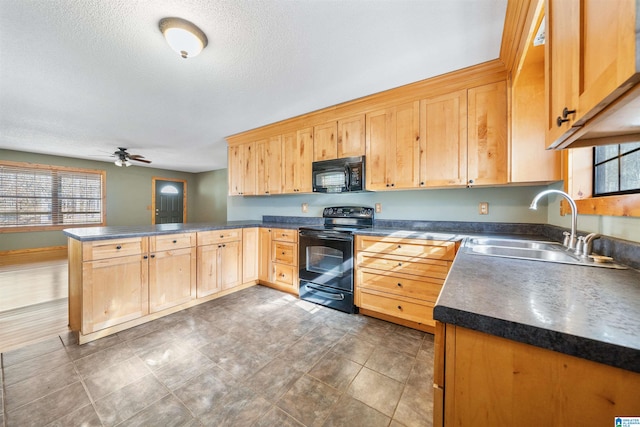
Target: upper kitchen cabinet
x=592 y=62
x=242 y=169
x=531 y=162
x=297 y=158
x=487 y=143
x=393 y=147
x=269 y=165
x=443 y=140
x=339 y=139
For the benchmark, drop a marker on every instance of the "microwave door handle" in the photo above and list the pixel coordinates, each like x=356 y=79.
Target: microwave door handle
x=347 y=176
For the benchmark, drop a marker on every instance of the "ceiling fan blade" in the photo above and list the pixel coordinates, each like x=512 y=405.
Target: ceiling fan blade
x=140 y=160
x=136 y=156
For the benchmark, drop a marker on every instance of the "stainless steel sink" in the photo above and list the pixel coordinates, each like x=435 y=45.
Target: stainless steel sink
x=531 y=250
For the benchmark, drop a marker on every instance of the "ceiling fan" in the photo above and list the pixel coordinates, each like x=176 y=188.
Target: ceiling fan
x=123 y=157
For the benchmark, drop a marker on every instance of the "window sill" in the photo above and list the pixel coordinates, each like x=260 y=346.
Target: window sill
x=625 y=205
x=30 y=229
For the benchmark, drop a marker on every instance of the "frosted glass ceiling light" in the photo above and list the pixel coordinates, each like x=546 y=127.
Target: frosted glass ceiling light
x=183 y=36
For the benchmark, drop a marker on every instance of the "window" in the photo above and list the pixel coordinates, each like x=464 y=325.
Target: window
x=616 y=169
x=40 y=197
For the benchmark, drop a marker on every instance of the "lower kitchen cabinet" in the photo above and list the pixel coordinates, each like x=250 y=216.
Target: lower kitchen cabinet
x=250 y=254
x=279 y=259
x=219 y=261
x=485 y=380
x=399 y=279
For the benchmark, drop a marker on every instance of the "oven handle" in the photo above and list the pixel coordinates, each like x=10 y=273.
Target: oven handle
x=347 y=238
x=314 y=290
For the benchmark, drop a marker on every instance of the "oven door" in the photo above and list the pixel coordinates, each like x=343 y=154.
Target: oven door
x=326 y=258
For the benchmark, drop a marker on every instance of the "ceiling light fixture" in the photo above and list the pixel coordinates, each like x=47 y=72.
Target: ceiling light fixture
x=183 y=36
x=122 y=162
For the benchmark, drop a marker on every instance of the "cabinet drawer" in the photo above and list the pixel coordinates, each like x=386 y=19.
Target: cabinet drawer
x=408 y=247
x=103 y=249
x=424 y=289
x=171 y=241
x=219 y=236
x=284 y=253
x=397 y=264
x=398 y=307
x=284 y=274
x=284 y=235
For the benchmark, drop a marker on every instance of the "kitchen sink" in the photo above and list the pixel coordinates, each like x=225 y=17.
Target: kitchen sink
x=531 y=250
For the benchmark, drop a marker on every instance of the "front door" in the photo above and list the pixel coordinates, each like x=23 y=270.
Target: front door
x=169 y=202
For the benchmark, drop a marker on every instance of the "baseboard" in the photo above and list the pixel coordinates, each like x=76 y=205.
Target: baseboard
x=21 y=256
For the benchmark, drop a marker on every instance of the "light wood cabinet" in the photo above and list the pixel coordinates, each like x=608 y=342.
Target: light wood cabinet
x=339 y=139
x=591 y=60
x=443 y=140
x=279 y=259
x=512 y=383
x=487 y=144
x=269 y=165
x=242 y=169
x=399 y=280
x=297 y=159
x=325 y=142
x=172 y=270
x=219 y=261
x=393 y=147
x=250 y=254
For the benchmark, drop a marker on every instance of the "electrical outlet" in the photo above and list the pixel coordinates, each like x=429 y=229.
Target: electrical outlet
x=483 y=208
x=378 y=207
x=305 y=207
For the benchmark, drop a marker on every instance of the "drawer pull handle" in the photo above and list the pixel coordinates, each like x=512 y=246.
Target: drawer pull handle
x=175 y=241
x=118 y=247
x=399 y=307
x=400 y=285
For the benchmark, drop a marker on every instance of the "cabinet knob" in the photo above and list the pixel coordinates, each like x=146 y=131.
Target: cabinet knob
x=224 y=246
x=282 y=253
x=560 y=121
x=153 y=256
x=399 y=264
x=118 y=247
x=175 y=241
x=393 y=185
x=221 y=236
x=399 y=246
x=470 y=181
x=422 y=183
x=399 y=307
x=399 y=285
x=145 y=257
x=566 y=112
x=387 y=185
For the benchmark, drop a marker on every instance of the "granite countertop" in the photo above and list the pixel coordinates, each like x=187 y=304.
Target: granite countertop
x=588 y=312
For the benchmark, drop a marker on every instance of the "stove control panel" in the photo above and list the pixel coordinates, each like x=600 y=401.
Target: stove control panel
x=348 y=212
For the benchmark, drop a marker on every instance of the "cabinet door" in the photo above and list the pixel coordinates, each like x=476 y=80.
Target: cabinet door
x=208 y=282
x=297 y=159
x=115 y=290
x=377 y=137
x=250 y=254
x=242 y=169
x=393 y=146
x=562 y=51
x=443 y=140
x=487 y=134
x=264 y=255
x=269 y=163
x=325 y=144
x=230 y=264
x=172 y=278
x=351 y=136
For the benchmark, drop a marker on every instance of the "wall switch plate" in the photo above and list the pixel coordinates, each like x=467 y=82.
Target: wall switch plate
x=378 y=207
x=305 y=207
x=483 y=208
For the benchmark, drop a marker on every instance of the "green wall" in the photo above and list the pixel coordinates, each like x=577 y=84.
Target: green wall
x=128 y=198
x=210 y=194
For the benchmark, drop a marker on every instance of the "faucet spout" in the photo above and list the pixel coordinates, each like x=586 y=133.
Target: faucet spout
x=574 y=212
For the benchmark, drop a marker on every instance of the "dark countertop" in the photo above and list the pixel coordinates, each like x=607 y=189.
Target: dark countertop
x=588 y=312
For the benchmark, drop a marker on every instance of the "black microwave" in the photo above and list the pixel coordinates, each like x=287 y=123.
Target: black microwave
x=339 y=175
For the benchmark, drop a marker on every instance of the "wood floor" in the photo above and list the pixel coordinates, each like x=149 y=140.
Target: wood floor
x=33 y=300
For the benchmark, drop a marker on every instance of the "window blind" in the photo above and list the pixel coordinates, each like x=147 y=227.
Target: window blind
x=40 y=196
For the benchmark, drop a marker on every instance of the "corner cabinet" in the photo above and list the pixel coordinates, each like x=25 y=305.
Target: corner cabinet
x=592 y=59
x=399 y=280
x=485 y=380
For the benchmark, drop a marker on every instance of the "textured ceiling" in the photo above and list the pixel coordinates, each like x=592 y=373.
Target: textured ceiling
x=79 y=78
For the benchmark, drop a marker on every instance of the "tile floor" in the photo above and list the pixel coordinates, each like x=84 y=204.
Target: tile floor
x=258 y=357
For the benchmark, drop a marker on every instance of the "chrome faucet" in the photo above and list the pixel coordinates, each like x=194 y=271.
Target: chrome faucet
x=571 y=242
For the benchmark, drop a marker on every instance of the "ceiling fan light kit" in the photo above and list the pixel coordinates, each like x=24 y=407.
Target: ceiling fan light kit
x=183 y=36
x=123 y=158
